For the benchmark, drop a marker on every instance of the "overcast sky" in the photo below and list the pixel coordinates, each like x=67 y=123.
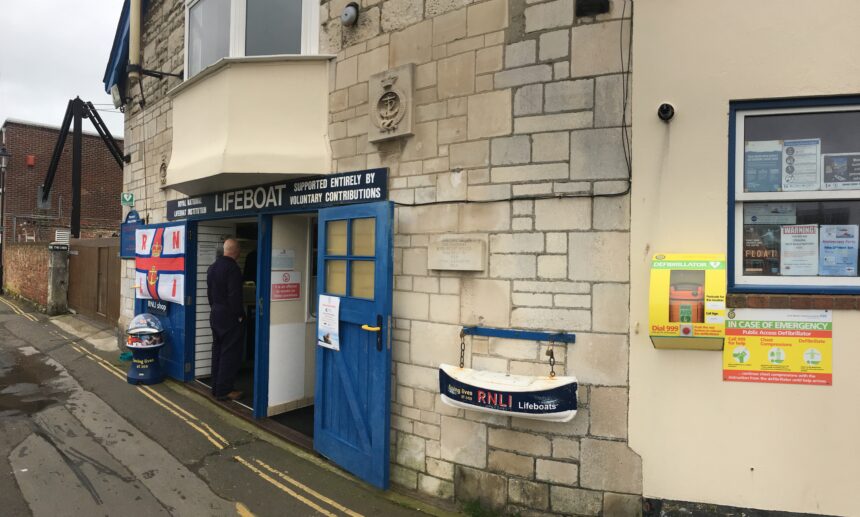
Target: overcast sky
x=52 y=51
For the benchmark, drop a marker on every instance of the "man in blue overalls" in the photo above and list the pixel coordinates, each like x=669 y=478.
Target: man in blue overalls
x=224 y=289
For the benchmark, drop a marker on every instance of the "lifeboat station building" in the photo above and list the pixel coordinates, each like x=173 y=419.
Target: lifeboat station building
x=443 y=214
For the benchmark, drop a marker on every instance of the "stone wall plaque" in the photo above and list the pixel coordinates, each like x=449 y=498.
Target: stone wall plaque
x=457 y=255
x=391 y=103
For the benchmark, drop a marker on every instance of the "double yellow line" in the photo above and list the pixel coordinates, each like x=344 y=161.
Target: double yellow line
x=195 y=423
x=304 y=488
x=277 y=478
x=18 y=310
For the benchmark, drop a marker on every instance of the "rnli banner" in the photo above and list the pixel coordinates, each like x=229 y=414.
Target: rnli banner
x=551 y=399
x=160 y=263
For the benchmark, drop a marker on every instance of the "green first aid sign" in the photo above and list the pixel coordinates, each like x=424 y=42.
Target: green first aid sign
x=127 y=198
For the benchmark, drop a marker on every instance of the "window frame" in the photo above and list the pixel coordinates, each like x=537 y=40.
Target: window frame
x=737 y=282
x=238 y=9
x=349 y=258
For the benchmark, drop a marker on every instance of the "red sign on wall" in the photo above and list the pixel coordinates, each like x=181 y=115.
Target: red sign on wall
x=286 y=285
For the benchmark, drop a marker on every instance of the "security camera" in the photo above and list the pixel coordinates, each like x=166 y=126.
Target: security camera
x=666 y=111
x=349 y=15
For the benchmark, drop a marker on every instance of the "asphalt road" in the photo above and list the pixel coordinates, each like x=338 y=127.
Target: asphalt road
x=77 y=439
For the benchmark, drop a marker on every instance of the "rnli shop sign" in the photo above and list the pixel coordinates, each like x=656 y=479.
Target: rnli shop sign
x=295 y=195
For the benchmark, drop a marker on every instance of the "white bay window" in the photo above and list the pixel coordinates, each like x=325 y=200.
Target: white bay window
x=216 y=29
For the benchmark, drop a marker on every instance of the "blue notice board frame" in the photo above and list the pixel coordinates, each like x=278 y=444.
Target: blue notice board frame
x=732 y=287
x=126 y=234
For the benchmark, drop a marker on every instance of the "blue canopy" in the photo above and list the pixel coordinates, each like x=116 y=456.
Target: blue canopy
x=118 y=60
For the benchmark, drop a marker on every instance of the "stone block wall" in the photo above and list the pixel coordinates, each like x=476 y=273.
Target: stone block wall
x=517 y=142
x=25 y=271
x=519 y=108
x=149 y=130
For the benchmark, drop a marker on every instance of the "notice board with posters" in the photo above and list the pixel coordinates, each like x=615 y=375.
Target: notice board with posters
x=127 y=235
x=783 y=346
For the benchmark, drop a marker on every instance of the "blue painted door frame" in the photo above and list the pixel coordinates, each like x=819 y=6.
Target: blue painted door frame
x=261 y=345
x=353 y=384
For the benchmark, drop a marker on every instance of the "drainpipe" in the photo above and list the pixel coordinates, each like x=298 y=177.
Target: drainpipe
x=134 y=16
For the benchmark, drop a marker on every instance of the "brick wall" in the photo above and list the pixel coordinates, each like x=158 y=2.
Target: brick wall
x=25 y=270
x=101 y=184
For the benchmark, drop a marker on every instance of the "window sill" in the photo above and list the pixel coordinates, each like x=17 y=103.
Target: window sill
x=793 y=301
x=226 y=62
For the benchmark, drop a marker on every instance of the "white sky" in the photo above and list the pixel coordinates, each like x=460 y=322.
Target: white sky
x=52 y=51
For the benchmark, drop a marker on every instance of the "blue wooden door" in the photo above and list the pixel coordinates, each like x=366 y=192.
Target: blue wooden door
x=353 y=384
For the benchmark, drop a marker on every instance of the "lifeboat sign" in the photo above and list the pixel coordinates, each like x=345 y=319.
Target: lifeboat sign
x=551 y=399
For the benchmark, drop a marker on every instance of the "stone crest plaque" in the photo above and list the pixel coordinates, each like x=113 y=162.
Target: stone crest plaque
x=391 y=103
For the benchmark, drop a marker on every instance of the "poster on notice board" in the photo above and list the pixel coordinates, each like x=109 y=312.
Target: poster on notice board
x=761 y=249
x=770 y=213
x=762 y=166
x=838 y=250
x=328 y=322
x=799 y=250
x=800 y=164
x=840 y=171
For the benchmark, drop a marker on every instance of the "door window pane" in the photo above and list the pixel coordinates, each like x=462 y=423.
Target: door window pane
x=273 y=27
x=335 y=277
x=363 y=237
x=208 y=33
x=335 y=239
x=362 y=278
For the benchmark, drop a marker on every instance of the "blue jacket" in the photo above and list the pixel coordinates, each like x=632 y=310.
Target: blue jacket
x=224 y=290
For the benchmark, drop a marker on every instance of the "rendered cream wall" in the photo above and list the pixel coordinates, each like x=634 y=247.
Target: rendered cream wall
x=766 y=446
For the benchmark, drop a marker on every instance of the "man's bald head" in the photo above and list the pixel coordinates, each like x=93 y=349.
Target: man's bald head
x=232 y=248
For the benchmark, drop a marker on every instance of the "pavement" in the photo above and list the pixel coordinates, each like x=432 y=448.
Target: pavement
x=77 y=439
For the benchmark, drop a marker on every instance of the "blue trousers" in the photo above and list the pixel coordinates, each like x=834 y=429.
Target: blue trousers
x=226 y=359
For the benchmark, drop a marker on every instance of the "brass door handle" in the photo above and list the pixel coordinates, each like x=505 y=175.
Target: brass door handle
x=371 y=329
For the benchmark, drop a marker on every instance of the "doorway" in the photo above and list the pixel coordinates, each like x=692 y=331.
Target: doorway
x=292 y=322
x=278 y=367
x=210 y=241
x=339 y=392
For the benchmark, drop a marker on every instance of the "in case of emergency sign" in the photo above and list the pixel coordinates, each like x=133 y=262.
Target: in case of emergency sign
x=783 y=346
